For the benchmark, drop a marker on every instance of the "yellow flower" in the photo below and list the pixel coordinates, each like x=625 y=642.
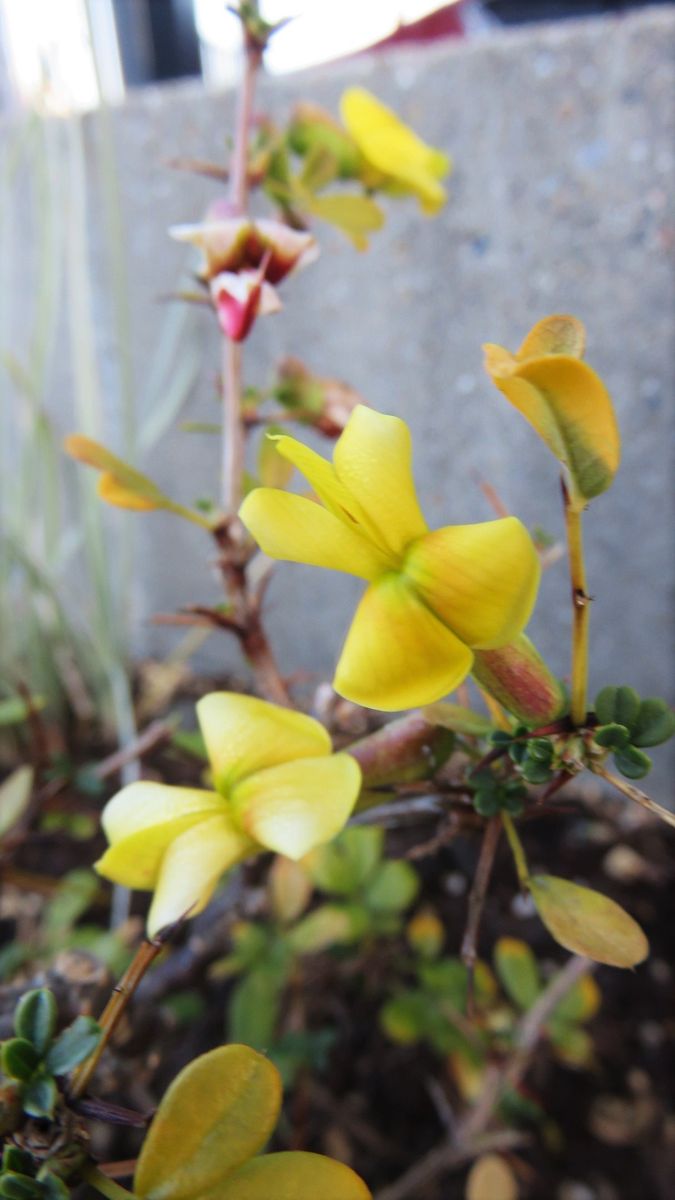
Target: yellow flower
x=277 y=787
x=403 y=161
x=432 y=596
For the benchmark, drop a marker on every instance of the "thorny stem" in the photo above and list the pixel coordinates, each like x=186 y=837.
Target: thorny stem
x=104 y=1184
x=516 y=849
x=580 y=609
x=481 y=881
x=146 y=954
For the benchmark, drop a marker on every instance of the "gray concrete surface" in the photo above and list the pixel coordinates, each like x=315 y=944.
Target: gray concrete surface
x=561 y=200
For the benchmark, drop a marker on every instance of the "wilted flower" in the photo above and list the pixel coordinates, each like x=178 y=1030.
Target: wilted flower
x=242 y=261
x=432 y=597
x=277 y=787
x=404 y=162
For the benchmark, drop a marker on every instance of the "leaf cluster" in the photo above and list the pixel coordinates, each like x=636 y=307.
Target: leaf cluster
x=627 y=724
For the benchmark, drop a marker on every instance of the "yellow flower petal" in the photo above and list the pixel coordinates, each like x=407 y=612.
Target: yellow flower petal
x=558 y=334
x=397 y=653
x=373 y=461
x=298 y=530
x=141 y=821
x=394 y=149
x=244 y=735
x=296 y=806
x=564 y=400
x=321 y=475
x=191 y=868
x=481 y=580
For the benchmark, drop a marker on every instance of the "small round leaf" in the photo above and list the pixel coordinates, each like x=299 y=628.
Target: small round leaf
x=19 y=1058
x=35 y=1018
x=491 y=1178
x=655 y=723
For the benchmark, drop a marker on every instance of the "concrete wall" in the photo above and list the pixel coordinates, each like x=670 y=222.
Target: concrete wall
x=561 y=200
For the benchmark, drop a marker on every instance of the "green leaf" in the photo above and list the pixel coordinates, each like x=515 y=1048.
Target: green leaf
x=518 y=971
x=53 y=1187
x=619 y=705
x=404 y=1017
x=35 y=1018
x=20 y=1059
x=254 y=1007
x=15 y=710
x=613 y=736
x=392 y=888
x=329 y=925
x=343 y=865
x=72 y=1046
x=20 y=1187
x=39 y=1096
x=15 y=794
x=448 y=980
x=655 y=723
x=74 y=895
x=632 y=763
x=460 y=720
x=588 y=923
x=292 y=1175
x=218 y=1112
x=17 y=1161
x=355 y=216
x=573 y=1046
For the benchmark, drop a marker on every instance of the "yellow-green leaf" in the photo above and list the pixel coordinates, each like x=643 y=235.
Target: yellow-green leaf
x=356 y=216
x=218 y=1112
x=15 y=793
x=292 y=1175
x=329 y=925
x=122 y=485
x=491 y=1178
x=588 y=923
x=581 y=1002
x=518 y=971
x=564 y=400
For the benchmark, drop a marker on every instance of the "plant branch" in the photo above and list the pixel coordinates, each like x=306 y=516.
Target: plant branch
x=104 y=1184
x=516 y=849
x=479 y=888
x=634 y=793
x=112 y=1013
x=447 y=1157
x=580 y=608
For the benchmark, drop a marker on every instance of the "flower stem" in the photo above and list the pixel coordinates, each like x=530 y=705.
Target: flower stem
x=233 y=430
x=517 y=851
x=580 y=609
x=112 y=1013
x=105 y=1185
